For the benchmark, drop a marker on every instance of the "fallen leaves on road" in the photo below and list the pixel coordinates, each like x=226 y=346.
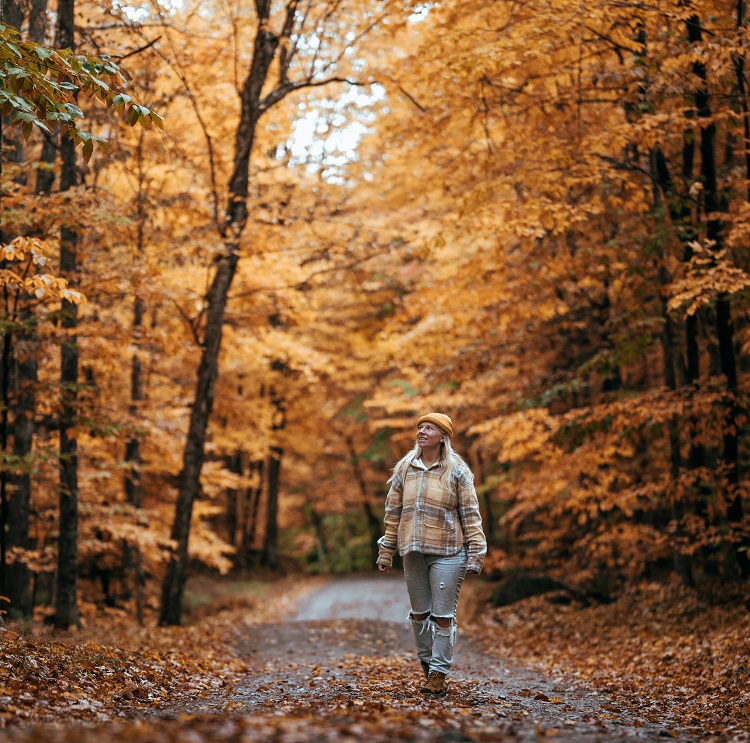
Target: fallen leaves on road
x=46 y=677
x=658 y=659
x=659 y=653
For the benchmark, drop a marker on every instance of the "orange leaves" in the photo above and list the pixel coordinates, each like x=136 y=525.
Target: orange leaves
x=50 y=680
x=30 y=253
x=710 y=274
x=658 y=654
x=520 y=435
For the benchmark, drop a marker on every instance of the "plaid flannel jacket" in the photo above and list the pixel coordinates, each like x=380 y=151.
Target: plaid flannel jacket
x=422 y=516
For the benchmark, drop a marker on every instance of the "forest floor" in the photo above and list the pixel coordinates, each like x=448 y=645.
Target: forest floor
x=323 y=659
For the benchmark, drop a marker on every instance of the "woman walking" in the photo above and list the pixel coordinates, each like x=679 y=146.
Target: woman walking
x=432 y=518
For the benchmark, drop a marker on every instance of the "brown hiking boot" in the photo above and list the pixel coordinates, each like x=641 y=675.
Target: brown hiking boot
x=425 y=669
x=436 y=684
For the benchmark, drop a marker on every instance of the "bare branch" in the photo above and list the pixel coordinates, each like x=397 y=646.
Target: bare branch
x=285 y=56
x=193 y=324
x=139 y=50
x=297 y=285
x=421 y=108
x=279 y=93
x=624 y=165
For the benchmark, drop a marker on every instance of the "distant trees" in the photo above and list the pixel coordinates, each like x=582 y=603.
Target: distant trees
x=588 y=165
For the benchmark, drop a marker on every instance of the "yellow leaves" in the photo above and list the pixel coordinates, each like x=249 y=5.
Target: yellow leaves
x=519 y=435
x=205 y=544
x=710 y=274
x=22 y=247
x=216 y=479
x=29 y=253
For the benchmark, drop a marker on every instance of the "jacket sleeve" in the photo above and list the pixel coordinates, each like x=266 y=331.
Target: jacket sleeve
x=471 y=520
x=388 y=543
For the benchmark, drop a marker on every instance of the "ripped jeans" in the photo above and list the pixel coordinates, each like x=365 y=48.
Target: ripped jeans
x=434 y=582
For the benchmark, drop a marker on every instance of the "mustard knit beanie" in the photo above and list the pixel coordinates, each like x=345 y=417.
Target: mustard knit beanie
x=442 y=421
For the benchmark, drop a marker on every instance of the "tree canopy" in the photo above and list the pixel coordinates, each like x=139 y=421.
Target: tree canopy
x=532 y=217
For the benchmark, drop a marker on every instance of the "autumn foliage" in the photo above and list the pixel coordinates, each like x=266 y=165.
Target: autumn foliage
x=533 y=217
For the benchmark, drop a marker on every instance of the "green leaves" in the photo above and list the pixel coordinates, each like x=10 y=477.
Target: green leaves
x=39 y=85
x=120 y=101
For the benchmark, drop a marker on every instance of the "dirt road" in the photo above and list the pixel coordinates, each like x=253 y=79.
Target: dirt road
x=343 y=664
x=336 y=663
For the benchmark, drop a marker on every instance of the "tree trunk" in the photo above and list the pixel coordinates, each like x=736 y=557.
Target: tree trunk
x=189 y=481
x=680 y=561
x=12 y=13
x=5 y=360
x=132 y=562
x=270 y=556
x=320 y=536
x=25 y=377
x=264 y=51
x=735 y=513
x=373 y=523
x=234 y=465
x=131 y=556
x=739 y=67
x=133 y=484
x=24 y=405
x=66 y=605
x=250 y=513
x=724 y=327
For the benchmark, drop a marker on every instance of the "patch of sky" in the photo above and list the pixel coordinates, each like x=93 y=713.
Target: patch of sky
x=141 y=12
x=420 y=12
x=326 y=136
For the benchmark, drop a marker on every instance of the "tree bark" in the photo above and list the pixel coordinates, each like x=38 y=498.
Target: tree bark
x=264 y=51
x=735 y=513
x=270 y=555
x=133 y=484
x=132 y=562
x=189 y=480
x=24 y=373
x=24 y=405
x=233 y=463
x=320 y=536
x=12 y=13
x=373 y=523
x=250 y=513
x=681 y=562
x=724 y=327
x=66 y=604
x=5 y=360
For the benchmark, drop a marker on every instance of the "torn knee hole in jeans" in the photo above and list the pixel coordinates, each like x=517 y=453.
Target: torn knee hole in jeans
x=449 y=631
x=423 y=624
x=439 y=621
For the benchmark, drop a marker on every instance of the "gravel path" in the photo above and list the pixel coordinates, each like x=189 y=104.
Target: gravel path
x=346 y=648
x=336 y=664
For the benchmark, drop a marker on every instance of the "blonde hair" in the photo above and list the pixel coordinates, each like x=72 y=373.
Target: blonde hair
x=449 y=460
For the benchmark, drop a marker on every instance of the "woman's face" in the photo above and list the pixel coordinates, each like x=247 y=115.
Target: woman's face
x=428 y=435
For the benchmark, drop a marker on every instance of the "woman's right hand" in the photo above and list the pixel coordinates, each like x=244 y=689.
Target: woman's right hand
x=383 y=568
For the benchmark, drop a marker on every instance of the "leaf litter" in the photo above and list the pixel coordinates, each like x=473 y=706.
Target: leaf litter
x=531 y=671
